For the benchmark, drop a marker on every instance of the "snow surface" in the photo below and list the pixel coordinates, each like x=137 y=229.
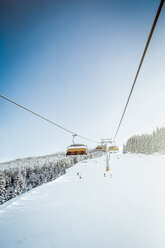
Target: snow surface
x=124 y=209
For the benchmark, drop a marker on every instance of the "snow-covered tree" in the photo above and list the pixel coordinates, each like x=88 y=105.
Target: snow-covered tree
x=146 y=143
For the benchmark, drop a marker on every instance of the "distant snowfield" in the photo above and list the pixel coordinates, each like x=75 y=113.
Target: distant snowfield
x=125 y=210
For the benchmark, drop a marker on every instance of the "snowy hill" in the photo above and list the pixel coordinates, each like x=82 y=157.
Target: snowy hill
x=21 y=175
x=123 y=209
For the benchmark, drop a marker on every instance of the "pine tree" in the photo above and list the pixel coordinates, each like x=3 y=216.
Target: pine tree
x=146 y=143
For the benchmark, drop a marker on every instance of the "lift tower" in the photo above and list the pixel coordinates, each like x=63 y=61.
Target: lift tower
x=106 y=142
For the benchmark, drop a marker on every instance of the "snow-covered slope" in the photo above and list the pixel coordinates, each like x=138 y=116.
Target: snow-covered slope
x=123 y=209
x=21 y=175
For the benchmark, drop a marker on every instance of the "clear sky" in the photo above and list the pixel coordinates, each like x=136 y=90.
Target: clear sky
x=74 y=62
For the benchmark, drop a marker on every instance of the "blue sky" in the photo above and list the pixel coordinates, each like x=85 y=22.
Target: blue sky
x=74 y=62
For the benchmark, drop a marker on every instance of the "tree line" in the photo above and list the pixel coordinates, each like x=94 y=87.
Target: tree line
x=146 y=143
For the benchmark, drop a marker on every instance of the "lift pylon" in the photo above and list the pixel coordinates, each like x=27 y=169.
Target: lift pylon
x=107 y=141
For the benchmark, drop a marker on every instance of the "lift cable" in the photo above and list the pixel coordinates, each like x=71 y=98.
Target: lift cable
x=42 y=117
x=139 y=67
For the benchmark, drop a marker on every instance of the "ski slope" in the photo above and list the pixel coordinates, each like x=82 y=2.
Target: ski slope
x=124 y=209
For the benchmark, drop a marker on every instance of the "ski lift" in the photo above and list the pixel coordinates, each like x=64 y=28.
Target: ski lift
x=76 y=149
x=113 y=149
x=101 y=146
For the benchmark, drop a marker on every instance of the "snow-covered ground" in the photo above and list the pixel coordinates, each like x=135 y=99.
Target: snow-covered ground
x=125 y=209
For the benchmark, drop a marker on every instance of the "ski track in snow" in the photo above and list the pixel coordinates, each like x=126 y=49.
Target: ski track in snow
x=126 y=209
